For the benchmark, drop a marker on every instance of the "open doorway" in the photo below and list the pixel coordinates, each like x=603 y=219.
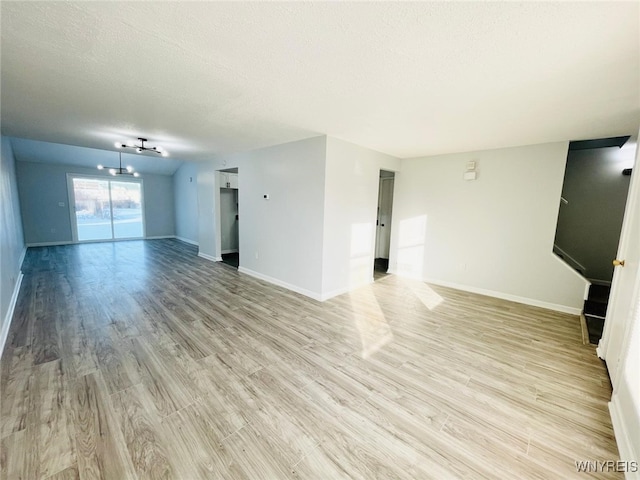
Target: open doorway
x=592 y=205
x=383 y=224
x=229 y=217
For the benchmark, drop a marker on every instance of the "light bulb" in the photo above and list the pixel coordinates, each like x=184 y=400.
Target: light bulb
x=129 y=169
x=118 y=145
x=112 y=171
x=136 y=174
x=100 y=167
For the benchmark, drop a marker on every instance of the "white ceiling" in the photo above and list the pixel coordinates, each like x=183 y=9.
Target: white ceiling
x=407 y=79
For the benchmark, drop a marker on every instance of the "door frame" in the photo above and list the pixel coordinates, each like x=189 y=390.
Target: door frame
x=217 y=183
x=72 y=203
x=378 y=227
x=604 y=345
x=617 y=348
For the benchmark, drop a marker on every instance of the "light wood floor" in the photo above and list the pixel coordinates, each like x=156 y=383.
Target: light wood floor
x=141 y=360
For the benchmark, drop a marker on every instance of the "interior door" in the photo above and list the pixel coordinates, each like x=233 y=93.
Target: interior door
x=385 y=206
x=620 y=313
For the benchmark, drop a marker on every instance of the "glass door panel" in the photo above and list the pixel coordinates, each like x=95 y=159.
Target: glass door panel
x=126 y=201
x=92 y=209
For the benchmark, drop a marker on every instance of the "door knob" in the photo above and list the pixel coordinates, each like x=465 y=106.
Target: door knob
x=618 y=263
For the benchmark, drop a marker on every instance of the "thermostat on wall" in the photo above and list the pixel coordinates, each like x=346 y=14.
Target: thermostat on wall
x=469 y=175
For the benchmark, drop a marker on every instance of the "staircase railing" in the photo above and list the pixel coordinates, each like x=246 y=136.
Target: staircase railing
x=572 y=262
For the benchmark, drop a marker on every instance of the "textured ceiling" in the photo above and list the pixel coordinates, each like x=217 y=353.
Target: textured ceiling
x=407 y=79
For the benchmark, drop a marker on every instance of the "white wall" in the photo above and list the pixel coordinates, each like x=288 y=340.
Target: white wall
x=185 y=191
x=208 y=246
x=350 y=211
x=493 y=235
x=589 y=225
x=12 y=246
x=43 y=186
x=280 y=238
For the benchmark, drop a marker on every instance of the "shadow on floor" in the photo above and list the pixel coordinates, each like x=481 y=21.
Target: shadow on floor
x=380 y=267
x=232 y=259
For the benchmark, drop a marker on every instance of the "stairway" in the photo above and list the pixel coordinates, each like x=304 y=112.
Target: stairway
x=595 y=310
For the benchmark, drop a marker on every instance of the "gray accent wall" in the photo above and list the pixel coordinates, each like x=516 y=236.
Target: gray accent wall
x=11 y=237
x=185 y=188
x=596 y=191
x=43 y=187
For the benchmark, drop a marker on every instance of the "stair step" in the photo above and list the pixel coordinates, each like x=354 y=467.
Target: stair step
x=595 y=325
x=595 y=308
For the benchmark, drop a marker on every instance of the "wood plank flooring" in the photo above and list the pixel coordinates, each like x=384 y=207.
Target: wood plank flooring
x=141 y=360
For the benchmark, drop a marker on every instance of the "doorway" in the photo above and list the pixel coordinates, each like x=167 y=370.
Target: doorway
x=592 y=206
x=104 y=209
x=229 y=217
x=383 y=223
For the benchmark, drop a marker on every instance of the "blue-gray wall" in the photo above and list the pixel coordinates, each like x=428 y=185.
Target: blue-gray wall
x=11 y=237
x=43 y=187
x=185 y=188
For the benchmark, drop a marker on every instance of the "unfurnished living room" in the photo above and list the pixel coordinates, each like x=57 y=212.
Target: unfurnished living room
x=319 y=240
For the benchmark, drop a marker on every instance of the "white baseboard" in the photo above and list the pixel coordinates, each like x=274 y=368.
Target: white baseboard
x=70 y=242
x=492 y=293
x=209 y=257
x=280 y=283
x=629 y=450
x=186 y=240
x=49 y=244
x=341 y=291
x=22 y=255
x=9 y=316
x=233 y=250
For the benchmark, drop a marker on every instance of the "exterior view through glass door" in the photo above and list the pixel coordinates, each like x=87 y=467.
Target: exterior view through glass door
x=107 y=209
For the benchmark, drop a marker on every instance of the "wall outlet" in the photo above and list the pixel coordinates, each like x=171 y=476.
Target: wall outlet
x=256 y=255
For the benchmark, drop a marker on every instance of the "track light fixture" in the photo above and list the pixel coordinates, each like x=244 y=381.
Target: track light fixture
x=128 y=170
x=142 y=148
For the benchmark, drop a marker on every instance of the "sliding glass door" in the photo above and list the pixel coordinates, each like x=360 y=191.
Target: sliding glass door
x=106 y=209
x=126 y=206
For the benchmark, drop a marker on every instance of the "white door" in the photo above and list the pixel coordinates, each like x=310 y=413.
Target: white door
x=619 y=317
x=385 y=205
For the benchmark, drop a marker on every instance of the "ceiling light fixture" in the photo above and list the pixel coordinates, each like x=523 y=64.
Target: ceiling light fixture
x=128 y=170
x=142 y=148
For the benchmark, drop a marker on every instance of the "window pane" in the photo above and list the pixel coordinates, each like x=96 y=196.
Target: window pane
x=92 y=209
x=127 y=209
